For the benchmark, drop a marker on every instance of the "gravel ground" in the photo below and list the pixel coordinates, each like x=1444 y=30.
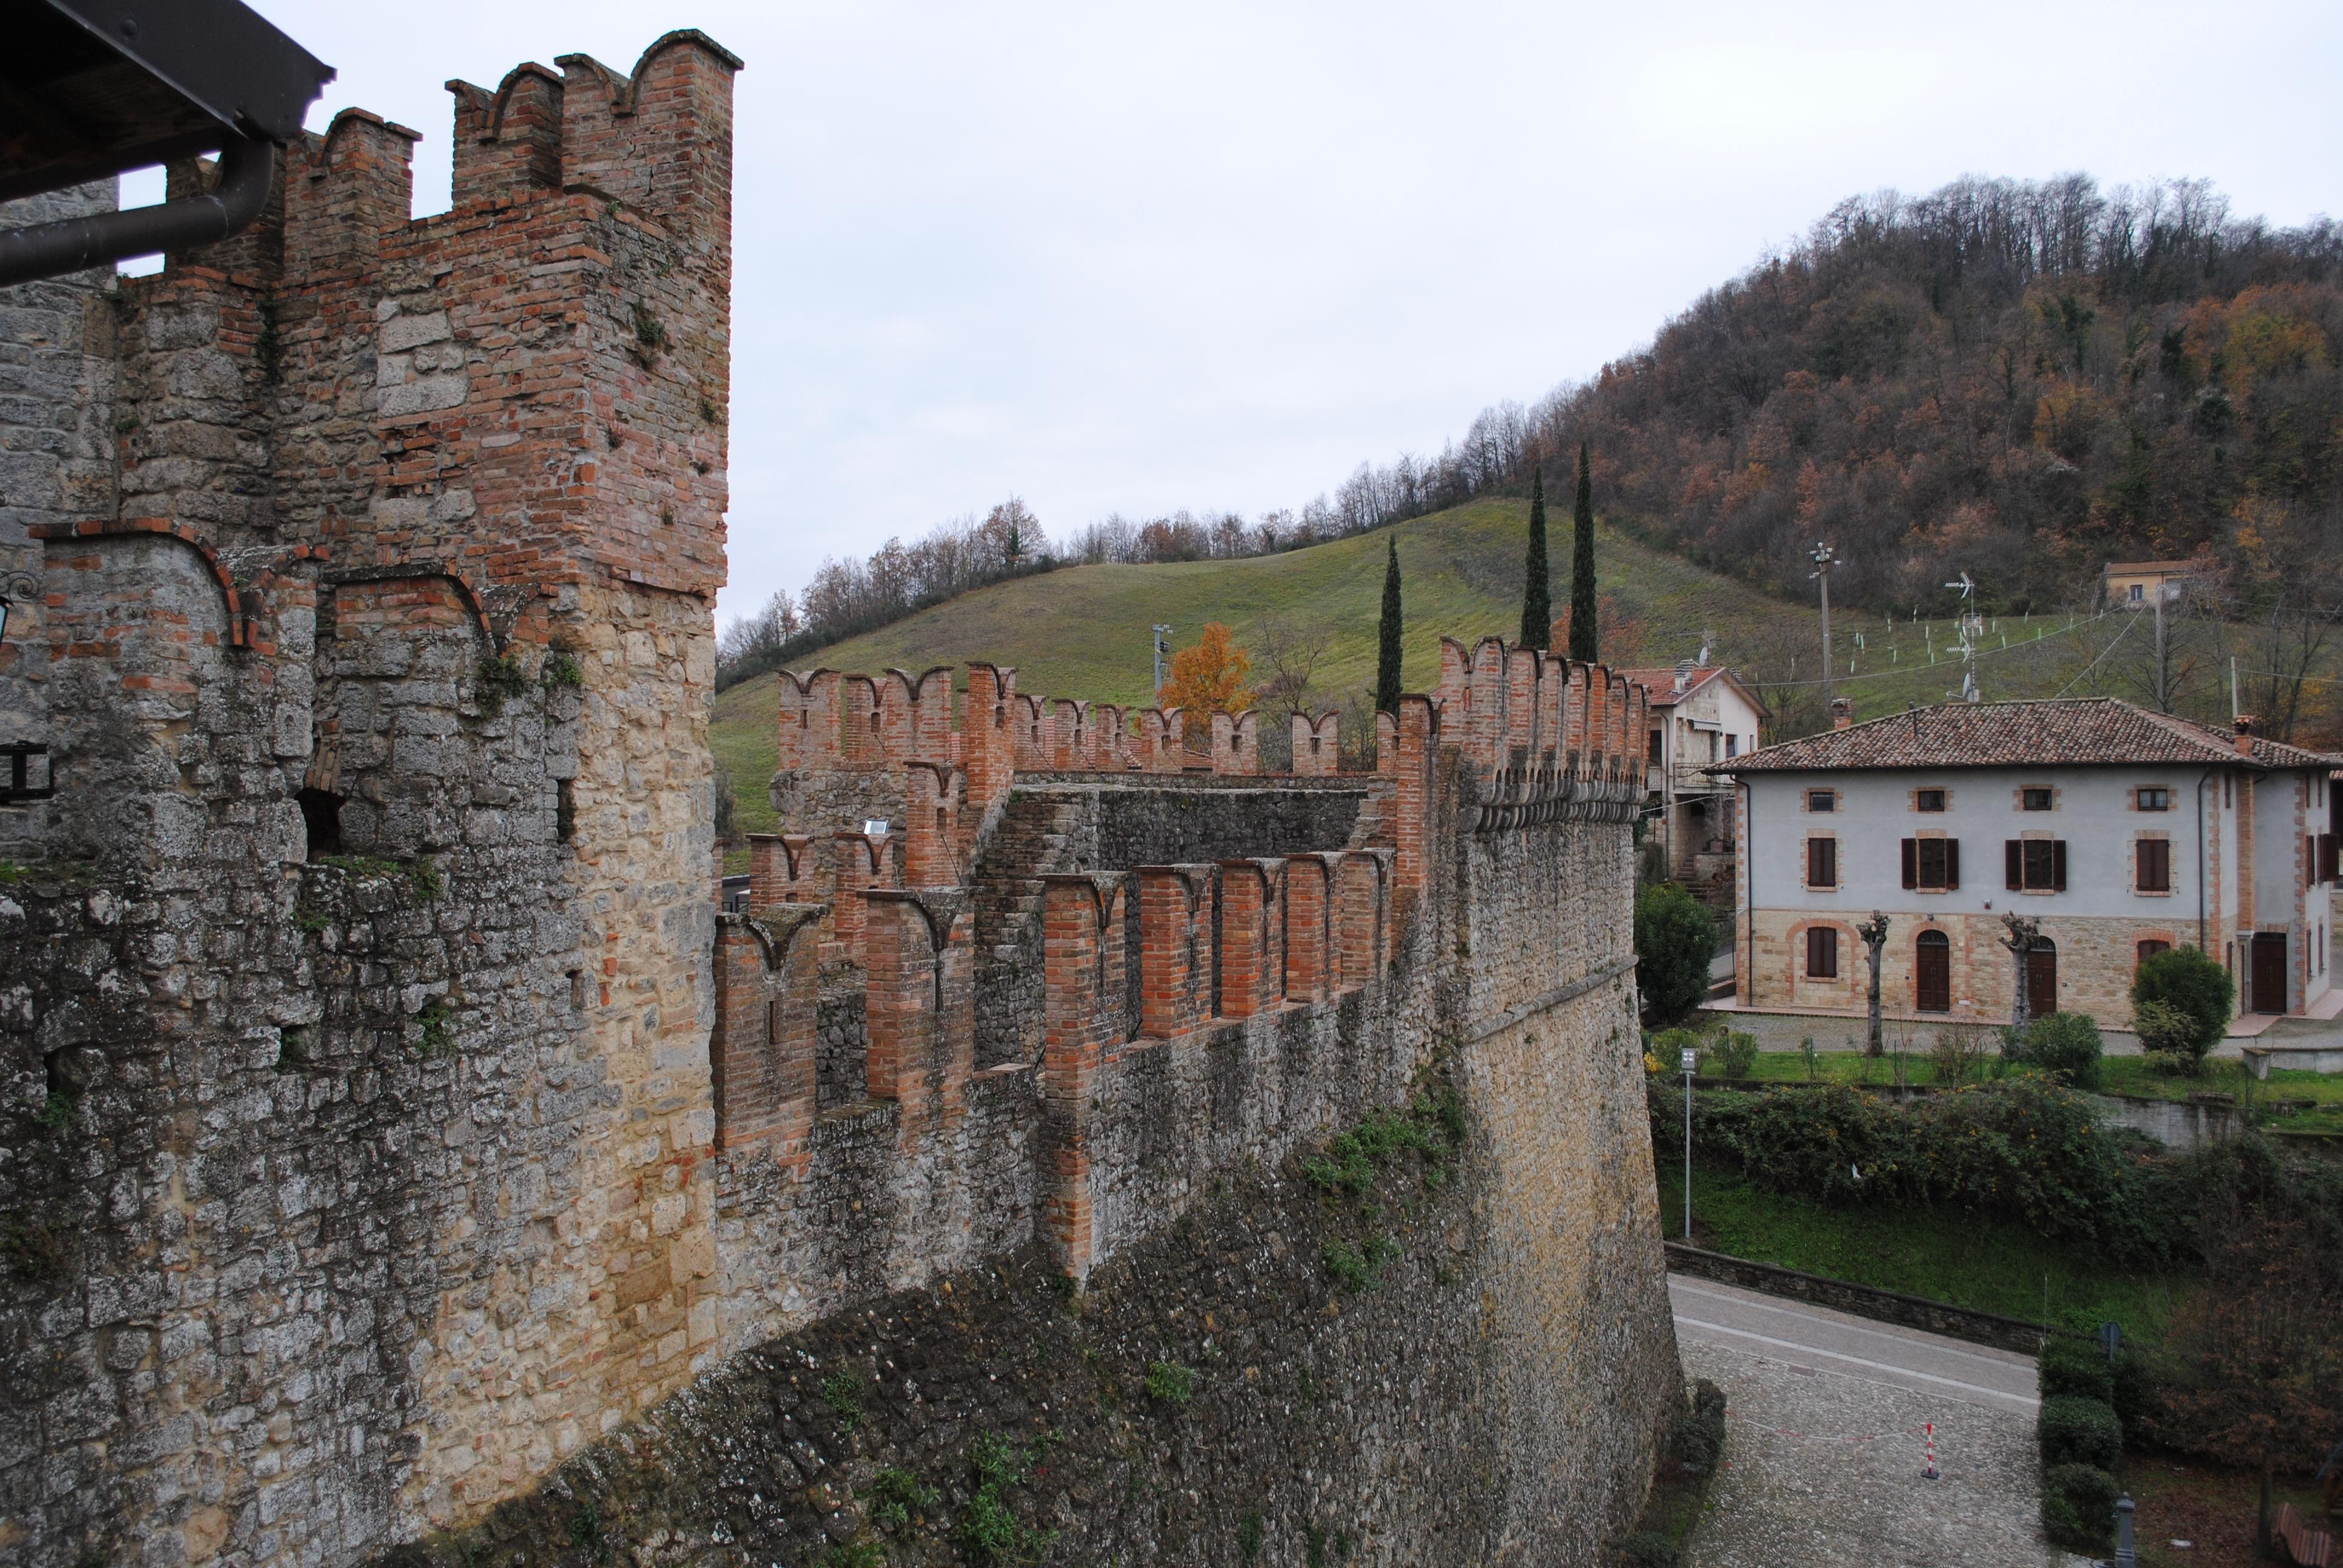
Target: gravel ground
x=1823 y=1469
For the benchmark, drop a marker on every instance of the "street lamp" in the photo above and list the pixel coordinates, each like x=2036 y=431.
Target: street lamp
x=1163 y=646
x=1690 y=1059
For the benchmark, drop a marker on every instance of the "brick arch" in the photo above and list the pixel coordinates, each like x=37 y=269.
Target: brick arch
x=239 y=619
x=1850 y=951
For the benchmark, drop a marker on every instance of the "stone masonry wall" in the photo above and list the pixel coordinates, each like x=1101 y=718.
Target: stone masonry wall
x=354 y=1108
x=393 y=1136
x=2095 y=960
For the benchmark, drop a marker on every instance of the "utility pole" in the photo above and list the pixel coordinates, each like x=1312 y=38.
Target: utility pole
x=2163 y=682
x=1825 y=560
x=1163 y=646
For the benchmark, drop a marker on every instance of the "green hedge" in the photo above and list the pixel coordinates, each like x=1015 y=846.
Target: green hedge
x=2078 y=1431
x=2023 y=1148
x=2076 y=1367
x=2078 y=1505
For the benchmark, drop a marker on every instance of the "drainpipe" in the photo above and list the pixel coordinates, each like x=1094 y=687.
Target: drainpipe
x=1741 y=956
x=2202 y=780
x=246 y=167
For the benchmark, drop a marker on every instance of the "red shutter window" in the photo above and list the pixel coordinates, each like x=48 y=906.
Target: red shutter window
x=2012 y=857
x=1911 y=863
x=1822 y=952
x=2154 y=866
x=1822 y=862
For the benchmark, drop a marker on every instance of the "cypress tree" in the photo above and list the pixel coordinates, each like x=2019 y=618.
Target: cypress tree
x=1584 y=642
x=1387 y=639
x=1537 y=593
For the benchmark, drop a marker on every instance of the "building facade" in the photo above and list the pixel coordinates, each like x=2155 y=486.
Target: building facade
x=2137 y=584
x=2124 y=831
x=1701 y=716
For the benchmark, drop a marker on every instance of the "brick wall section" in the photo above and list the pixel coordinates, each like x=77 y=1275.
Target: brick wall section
x=762 y=1056
x=1175 y=951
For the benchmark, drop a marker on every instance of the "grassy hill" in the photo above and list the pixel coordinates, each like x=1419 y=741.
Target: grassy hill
x=1083 y=631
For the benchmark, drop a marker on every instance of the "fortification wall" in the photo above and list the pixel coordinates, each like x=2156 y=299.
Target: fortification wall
x=390 y=1123
x=354 y=1167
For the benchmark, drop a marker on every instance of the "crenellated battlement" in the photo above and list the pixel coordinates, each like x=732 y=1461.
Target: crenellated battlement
x=1125 y=960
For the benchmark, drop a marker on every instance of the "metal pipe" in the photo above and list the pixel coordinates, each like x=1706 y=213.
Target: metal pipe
x=247 y=167
x=2201 y=782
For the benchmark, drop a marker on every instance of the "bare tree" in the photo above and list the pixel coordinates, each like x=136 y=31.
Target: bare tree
x=1290 y=651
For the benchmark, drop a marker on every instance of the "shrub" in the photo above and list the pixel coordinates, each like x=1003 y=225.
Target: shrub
x=2078 y=1506
x=1700 y=1429
x=2164 y=1029
x=2063 y=1044
x=1676 y=937
x=2189 y=981
x=2076 y=1431
x=1958 y=1052
x=1736 y=1054
x=2077 y=1368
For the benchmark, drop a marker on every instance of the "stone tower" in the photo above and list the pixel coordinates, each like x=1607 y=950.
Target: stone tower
x=361 y=572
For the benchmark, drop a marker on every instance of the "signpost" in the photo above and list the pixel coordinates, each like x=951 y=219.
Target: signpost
x=1690 y=1060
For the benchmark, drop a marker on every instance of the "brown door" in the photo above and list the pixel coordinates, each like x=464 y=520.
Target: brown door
x=2042 y=980
x=1933 y=972
x=2269 y=972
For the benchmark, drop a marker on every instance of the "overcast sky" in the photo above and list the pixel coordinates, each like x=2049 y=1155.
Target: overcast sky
x=1115 y=259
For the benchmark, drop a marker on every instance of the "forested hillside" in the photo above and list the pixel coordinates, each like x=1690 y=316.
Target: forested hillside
x=2019 y=381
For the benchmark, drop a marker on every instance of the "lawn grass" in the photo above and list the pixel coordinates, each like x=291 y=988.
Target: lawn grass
x=2289 y=1101
x=1953 y=1255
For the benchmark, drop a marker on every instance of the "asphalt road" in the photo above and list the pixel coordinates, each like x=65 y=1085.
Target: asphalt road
x=1814 y=1339
x=1828 y=1422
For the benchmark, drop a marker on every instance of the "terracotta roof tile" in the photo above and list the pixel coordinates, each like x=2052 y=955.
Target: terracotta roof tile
x=2076 y=732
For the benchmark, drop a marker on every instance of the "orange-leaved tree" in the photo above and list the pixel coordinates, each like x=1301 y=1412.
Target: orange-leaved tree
x=1209 y=676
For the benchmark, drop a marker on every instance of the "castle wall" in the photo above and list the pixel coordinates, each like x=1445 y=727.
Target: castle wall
x=356 y=1166
x=392 y=1130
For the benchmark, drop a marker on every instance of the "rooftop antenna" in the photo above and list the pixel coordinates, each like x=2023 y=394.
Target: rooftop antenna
x=1825 y=561
x=1971 y=627
x=1706 y=637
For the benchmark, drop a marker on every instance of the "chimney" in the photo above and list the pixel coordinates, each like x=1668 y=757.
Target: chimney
x=2245 y=722
x=1841 y=712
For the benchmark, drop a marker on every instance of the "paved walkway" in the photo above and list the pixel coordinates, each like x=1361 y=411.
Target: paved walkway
x=1827 y=1421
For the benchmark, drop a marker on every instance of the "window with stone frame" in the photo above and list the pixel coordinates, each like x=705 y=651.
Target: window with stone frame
x=1822 y=952
x=2152 y=866
x=1822 y=861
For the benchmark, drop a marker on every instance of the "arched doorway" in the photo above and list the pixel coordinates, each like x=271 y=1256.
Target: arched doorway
x=2042 y=979
x=1931 y=972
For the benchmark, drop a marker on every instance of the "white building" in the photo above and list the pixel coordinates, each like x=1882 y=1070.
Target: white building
x=2123 y=830
x=1701 y=715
